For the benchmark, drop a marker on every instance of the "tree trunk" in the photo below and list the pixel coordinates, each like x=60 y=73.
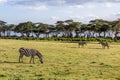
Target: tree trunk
x=0 y=34
x=22 y=34
x=77 y=34
x=104 y=34
x=28 y=34
x=8 y=33
x=37 y=34
x=115 y=35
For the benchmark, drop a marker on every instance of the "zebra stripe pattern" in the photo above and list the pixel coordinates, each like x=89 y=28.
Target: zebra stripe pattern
x=104 y=44
x=82 y=43
x=30 y=53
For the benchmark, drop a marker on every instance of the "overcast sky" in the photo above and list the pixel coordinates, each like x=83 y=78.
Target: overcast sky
x=50 y=11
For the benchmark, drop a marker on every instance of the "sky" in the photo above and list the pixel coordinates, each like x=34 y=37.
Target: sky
x=50 y=11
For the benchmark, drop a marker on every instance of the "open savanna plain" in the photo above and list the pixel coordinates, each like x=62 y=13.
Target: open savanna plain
x=62 y=61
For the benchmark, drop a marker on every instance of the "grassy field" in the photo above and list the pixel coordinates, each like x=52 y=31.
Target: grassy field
x=62 y=61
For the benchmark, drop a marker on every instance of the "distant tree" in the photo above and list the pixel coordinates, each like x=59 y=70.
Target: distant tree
x=25 y=28
x=2 y=27
x=42 y=28
x=99 y=25
x=83 y=29
x=60 y=27
x=95 y=25
x=2 y=23
x=116 y=27
x=104 y=28
x=10 y=28
x=53 y=30
x=77 y=28
x=71 y=27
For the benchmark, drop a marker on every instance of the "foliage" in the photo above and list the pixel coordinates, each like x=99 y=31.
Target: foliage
x=67 y=29
x=62 y=39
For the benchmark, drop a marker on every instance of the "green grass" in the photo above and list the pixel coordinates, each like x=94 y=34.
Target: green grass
x=62 y=61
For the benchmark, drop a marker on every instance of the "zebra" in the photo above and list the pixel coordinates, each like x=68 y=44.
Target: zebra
x=82 y=43
x=29 y=52
x=104 y=44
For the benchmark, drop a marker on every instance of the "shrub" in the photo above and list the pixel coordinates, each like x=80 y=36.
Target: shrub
x=62 y=39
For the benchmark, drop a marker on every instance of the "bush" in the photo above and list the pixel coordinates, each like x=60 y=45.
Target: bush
x=61 y=39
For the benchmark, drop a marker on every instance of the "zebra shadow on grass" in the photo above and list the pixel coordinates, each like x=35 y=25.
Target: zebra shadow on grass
x=13 y=62
x=10 y=62
x=86 y=47
x=95 y=48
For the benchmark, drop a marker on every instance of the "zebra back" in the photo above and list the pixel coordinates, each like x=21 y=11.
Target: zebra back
x=104 y=44
x=82 y=43
x=27 y=52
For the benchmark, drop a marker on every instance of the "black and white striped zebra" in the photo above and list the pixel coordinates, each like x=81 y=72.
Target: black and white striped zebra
x=30 y=53
x=81 y=43
x=104 y=44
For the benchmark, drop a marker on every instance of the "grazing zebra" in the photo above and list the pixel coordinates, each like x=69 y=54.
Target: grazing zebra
x=82 y=43
x=30 y=52
x=104 y=44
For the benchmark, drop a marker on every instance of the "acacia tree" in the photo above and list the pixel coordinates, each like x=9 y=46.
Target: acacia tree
x=116 y=27
x=105 y=27
x=71 y=27
x=10 y=28
x=42 y=28
x=2 y=27
x=52 y=30
x=83 y=29
x=25 y=28
x=67 y=28
x=100 y=25
x=37 y=29
x=95 y=26
x=60 y=27
x=77 y=26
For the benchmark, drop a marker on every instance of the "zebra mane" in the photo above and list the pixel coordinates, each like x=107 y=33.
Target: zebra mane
x=39 y=54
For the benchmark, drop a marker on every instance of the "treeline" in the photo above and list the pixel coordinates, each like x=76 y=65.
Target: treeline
x=97 y=28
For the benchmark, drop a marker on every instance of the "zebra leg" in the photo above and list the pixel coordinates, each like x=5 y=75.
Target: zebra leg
x=82 y=45
x=33 y=60
x=30 y=59
x=108 y=47
x=20 y=57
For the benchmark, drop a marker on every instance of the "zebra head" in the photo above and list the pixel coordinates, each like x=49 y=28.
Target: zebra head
x=40 y=56
x=41 y=60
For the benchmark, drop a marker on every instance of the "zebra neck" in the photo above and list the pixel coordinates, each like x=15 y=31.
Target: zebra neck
x=39 y=55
